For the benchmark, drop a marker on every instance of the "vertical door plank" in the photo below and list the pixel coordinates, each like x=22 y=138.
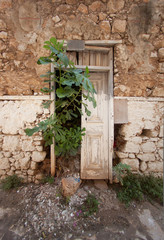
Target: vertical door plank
x=98 y=59
x=86 y=58
x=92 y=61
x=80 y=58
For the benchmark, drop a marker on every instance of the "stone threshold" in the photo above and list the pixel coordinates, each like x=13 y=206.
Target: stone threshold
x=149 y=99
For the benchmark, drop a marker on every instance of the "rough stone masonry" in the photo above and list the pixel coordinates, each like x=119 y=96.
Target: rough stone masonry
x=138 y=72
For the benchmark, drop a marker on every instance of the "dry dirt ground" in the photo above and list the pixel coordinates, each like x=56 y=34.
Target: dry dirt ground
x=36 y=212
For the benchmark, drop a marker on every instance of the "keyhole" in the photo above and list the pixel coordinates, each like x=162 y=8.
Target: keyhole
x=85 y=119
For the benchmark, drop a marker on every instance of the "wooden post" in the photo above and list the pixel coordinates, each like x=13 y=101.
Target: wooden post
x=52 y=110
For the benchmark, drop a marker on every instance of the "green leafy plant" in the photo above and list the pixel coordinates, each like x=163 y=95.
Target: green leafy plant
x=48 y=179
x=72 y=88
x=90 y=205
x=11 y=182
x=135 y=187
x=121 y=170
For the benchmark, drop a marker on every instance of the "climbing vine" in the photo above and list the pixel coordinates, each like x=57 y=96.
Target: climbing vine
x=64 y=124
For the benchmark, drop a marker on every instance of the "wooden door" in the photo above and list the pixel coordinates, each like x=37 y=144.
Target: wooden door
x=95 y=145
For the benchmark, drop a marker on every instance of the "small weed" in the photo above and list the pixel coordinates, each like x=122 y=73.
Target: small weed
x=121 y=170
x=64 y=200
x=135 y=187
x=11 y=182
x=90 y=205
x=48 y=179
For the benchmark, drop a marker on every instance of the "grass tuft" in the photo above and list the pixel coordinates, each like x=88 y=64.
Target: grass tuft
x=11 y=182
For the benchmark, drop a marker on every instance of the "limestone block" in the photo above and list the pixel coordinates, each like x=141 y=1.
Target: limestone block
x=18 y=155
x=5 y=4
x=119 y=26
x=105 y=26
x=137 y=140
x=38 y=156
x=148 y=147
x=2 y=25
x=131 y=147
x=131 y=155
x=150 y=124
x=25 y=163
x=2 y=172
x=147 y=157
x=131 y=129
x=7 y=154
x=27 y=145
x=12 y=160
x=11 y=143
x=71 y=2
x=3 y=35
x=15 y=113
x=121 y=154
x=37 y=143
x=160 y=151
x=4 y=163
x=161 y=131
x=161 y=54
x=1 y=155
x=39 y=148
x=39 y=176
x=96 y=6
x=70 y=185
x=31 y=172
x=160 y=143
x=83 y=8
x=114 y=6
x=10 y=173
x=159 y=92
x=56 y=19
x=155 y=166
x=102 y=16
x=133 y=163
x=33 y=165
x=143 y=166
x=2 y=45
x=17 y=165
x=160 y=69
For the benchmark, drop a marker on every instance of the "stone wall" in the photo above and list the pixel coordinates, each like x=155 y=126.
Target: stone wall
x=26 y=24
x=20 y=154
x=138 y=72
x=139 y=143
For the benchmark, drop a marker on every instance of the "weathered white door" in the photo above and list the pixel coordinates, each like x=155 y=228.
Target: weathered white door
x=95 y=145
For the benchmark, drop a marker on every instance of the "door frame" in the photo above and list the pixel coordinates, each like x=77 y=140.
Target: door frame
x=96 y=45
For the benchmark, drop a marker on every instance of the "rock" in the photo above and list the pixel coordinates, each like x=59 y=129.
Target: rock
x=147 y=157
x=131 y=155
x=2 y=45
x=70 y=185
x=119 y=26
x=38 y=156
x=5 y=4
x=133 y=163
x=155 y=166
x=2 y=25
x=97 y=5
x=148 y=147
x=3 y=35
x=4 y=163
x=71 y=2
x=83 y=9
x=121 y=154
x=25 y=163
x=160 y=151
x=56 y=19
x=131 y=147
x=101 y=184
x=161 y=68
x=102 y=16
x=114 y=6
x=105 y=26
x=161 y=54
x=27 y=145
x=159 y=92
x=143 y=166
x=11 y=143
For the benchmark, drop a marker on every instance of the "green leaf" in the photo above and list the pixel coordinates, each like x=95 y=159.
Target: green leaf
x=30 y=132
x=44 y=60
x=63 y=58
x=65 y=92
